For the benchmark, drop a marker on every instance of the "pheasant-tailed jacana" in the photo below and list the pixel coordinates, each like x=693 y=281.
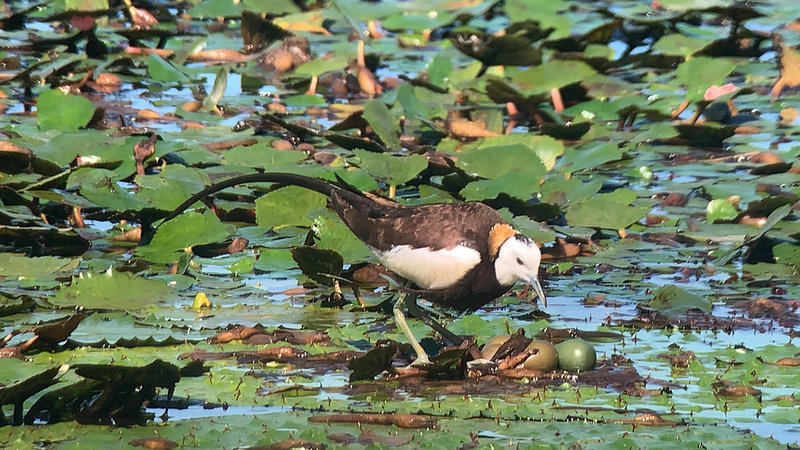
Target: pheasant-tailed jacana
x=459 y=256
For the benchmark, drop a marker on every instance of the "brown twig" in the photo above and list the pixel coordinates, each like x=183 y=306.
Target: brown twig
x=399 y=420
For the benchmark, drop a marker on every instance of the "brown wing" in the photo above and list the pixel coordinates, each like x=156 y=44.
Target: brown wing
x=436 y=226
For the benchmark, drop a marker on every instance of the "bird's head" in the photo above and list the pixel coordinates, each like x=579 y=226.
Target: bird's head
x=517 y=259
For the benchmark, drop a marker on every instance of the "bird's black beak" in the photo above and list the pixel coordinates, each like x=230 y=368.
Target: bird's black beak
x=537 y=286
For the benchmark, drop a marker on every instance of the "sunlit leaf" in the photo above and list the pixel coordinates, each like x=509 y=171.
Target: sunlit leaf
x=698 y=74
x=333 y=234
x=288 y=206
x=319 y=66
x=22 y=266
x=545 y=147
x=183 y=232
x=786 y=253
x=114 y=290
x=522 y=184
x=680 y=45
x=720 y=209
x=262 y=157
x=274 y=259
x=56 y=110
x=552 y=75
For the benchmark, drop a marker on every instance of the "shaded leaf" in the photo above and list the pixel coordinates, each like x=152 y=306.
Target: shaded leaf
x=318 y=264
x=392 y=170
x=383 y=123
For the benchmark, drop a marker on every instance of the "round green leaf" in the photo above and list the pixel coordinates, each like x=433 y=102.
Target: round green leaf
x=288 y=206
x=698 y=74
x=680 y=45
x=184 y=231
x=492 y=162
x=553 y=74
x=393 y=170
x=112 y=290
x=720 y=209
x=604 y=213
x=56 y=110
x=672 y=300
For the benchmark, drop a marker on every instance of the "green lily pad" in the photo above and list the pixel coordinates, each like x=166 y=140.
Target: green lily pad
x=786 y=253
x=522 y=184
x=22 y=266
x=680 y=45
x=385 y=125
x=112 y=290
x=562 y=190
x=333 y=234
x=589 y=156
x=162 y=70
x=56 y=110
x=672 y=300
x=698 y=74
x=553 y=74
x=319 y=66
x=288 y=206
x=546 y=148
x=100 y=187
x=494 y=161
x=720 y=209
x=182 y=232
x=598 y=212
x=392 y=170
x=262 y=157
x=274 y=260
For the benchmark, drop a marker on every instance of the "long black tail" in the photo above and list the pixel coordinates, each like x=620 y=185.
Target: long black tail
x=323 y=187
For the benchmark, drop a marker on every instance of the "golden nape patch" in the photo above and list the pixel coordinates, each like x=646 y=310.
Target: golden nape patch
x=497 y=235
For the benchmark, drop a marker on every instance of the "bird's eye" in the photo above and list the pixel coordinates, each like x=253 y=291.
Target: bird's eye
x=519 y=261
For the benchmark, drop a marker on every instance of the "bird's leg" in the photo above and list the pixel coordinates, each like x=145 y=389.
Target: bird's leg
x=400 y=320
x=359 y=297
x=414 y=309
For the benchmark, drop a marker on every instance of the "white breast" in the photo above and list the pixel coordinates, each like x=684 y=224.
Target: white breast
x=429 y=269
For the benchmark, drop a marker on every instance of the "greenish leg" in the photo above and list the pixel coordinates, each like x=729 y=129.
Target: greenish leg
x=414 y=309
x=400 y=320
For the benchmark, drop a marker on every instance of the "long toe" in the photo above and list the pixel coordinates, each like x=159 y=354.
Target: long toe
x=422 y=362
